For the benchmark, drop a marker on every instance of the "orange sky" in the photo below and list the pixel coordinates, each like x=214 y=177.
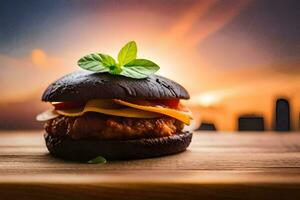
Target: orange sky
x=175 y=44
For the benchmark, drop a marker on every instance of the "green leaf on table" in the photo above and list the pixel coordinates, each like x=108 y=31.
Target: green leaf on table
x=97 y=160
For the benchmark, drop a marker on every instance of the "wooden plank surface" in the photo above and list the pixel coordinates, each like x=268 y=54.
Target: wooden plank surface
x=215 y=166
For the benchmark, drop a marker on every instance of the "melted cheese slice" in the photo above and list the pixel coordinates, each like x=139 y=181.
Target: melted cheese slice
x=116 y=107
x=185 y=117
x=108 y=108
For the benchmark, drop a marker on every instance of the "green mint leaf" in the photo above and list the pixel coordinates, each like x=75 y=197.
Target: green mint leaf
x=93 y=62
x=97 y=160
x=127 y=53
x=107 y=60
x=139 y=68
x=128 y=65
x=115 y=70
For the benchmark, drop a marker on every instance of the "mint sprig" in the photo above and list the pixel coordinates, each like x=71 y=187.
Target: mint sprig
x=128 y=64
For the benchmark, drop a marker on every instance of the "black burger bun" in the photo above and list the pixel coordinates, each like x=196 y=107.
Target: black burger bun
x=83 y=86
x=85 y=150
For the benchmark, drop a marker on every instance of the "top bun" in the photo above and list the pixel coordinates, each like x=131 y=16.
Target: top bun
x=84 y=86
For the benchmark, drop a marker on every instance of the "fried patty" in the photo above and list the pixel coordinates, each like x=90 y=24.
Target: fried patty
x=94 y=125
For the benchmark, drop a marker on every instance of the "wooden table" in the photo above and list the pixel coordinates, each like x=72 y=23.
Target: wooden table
x=215 y=166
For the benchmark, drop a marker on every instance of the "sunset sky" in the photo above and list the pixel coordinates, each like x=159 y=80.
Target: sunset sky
x=233 y=56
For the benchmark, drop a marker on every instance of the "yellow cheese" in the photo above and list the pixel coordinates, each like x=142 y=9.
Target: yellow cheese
x=180 y=115
x=120 y=108
x=102 y=106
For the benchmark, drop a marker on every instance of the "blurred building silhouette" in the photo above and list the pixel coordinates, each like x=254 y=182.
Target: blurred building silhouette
x=251 y=122
x=282 y=120
x=207 y=126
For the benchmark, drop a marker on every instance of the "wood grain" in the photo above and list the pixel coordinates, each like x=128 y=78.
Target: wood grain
x=215 y=166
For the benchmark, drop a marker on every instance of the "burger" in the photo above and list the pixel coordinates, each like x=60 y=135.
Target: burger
x=116 y=113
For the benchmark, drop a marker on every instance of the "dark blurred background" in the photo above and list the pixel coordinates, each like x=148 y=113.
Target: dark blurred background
x=240 y=60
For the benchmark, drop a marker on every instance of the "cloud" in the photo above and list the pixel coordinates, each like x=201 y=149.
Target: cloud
x=219 y=16
x=187 y=20
x=287 y=66
x=282 y=78
x=202 y=19
x=21 y=77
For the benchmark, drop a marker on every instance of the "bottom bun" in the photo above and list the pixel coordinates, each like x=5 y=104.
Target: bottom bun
x=84 y=150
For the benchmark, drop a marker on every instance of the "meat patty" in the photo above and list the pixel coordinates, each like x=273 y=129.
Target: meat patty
x=94 y=125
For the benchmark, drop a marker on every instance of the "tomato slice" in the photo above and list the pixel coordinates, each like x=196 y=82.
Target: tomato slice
x=67 y=105
x=171 y=103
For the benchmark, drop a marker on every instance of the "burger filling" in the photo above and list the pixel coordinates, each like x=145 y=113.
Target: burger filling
x=99 y=126
x=116 y=119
